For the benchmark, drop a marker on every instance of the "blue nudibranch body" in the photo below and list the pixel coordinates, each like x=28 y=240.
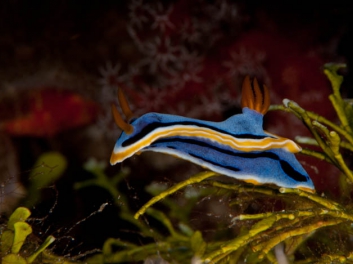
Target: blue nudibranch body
x=237 y=147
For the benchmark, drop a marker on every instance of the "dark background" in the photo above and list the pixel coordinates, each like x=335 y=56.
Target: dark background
x=62 y=44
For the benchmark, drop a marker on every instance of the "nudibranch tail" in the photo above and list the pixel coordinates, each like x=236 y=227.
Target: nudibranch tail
x=254 y=96
x=124 y=105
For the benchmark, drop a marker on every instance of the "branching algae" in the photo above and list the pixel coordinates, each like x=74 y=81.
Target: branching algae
x=14 y=237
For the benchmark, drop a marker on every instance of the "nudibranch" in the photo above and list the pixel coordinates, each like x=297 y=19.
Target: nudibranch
x=237 y=147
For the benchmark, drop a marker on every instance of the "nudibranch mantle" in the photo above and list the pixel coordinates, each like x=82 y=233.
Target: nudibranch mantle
x=237 y=147
x=247 y=134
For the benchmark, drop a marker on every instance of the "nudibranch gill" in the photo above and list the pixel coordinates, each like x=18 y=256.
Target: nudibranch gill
x=237 y=147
